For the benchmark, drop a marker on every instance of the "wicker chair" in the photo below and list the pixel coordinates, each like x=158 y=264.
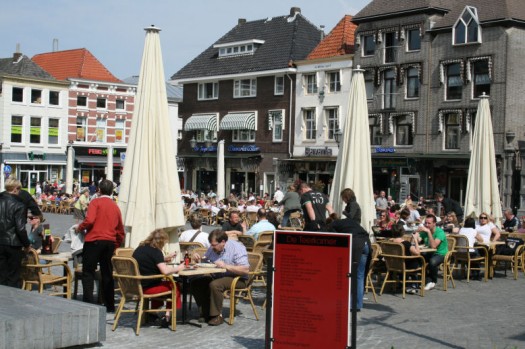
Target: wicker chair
x=462 y=257
x=251 y=219
x=255 y=260
x=516 y=260
x=205 y=216
x=248 y=241
x=297 y=220
x=189 y=247
x=448 y=263
x=57 y=241
x=32 y=273
x=376 y=251
x=126 y=272
x=395 y=260
x=124 y=252
x=265 y=236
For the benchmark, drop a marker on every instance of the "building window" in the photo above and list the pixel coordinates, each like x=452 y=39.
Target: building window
x=120 y=131
x=413 y=40
x=245 y=88
x=467 y=29
x=404 y=130
x=17 y=127
x=334 y=82
x=412 y=82
x=81 y=101
x=389 y=101
x=54 y=98
x=452 y=131
x=369 y=45
x=276 y=120
x=36 y=96
x=310 y=80
x=206 y=136
x=18 y=94
x=35 y=129
x=120 y=104
x=279 y=85
x=243 y=135
x=391 y=45
x=240 y=49
x=454 y=82
x=332 y=121
x=481 y=78
x=375 y=130
x=101 y=130
x=309 y=124
x=101 y=103
x=53 y=131
x=208 y=90
x=369 y=84
x=81 y=129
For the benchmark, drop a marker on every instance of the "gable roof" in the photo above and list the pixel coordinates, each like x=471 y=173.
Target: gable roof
x=286 y=39
x=24 y=67
x=340 y=41
x=77 y=63
x=378 y=9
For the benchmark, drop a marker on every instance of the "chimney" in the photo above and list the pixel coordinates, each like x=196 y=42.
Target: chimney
x=17 y=55
x=55 y=45
x=241 y=21
x=295 y=10
x=322 y=31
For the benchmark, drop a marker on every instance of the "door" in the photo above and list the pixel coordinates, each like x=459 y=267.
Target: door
x=29 y=180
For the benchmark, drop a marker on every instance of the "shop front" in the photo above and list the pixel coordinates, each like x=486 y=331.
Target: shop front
x=91 y=163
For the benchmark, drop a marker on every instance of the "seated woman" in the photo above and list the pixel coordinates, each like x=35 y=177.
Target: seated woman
x=451 y=224
x=384 y=222
x=151 y=261
x=469 y=230
x=487 y=229
x=411 y=249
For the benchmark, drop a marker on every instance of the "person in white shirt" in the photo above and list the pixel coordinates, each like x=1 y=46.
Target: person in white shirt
x=278 y=195
x=195 y=234
x=252 y=207
x=486 y=228
x=472 y=235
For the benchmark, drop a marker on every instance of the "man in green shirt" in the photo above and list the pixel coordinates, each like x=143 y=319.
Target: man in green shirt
x=433 y=237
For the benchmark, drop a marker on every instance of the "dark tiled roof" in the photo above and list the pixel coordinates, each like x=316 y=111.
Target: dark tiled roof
x=285 y=40
x=488 y=10
x=340 y=41
x=24 y=67
x=173 y=92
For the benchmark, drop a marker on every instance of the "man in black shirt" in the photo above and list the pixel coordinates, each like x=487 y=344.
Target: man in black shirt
x=233 y=225
x=314 y=205
x=450 y=205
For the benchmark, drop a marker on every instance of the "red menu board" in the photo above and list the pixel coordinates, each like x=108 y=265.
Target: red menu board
x=311 y=290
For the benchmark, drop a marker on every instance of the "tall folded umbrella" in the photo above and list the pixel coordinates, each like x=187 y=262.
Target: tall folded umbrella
x=482 y=186
x=150 y=196
x=354 y=163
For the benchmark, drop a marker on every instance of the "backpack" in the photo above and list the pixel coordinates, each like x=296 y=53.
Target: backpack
x=510 y=246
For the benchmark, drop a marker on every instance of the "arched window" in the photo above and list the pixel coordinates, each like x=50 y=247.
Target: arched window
x=467 y=29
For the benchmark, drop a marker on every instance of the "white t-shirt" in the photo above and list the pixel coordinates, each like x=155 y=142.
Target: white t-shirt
x=278 y=196
x=470 y=233
x=485 y=230
x=202 y=237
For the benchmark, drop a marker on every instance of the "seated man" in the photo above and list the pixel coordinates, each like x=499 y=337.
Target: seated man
x=262 y=225
x=434 y=237
x=511 y=222
x=233 y=227
x=195 y=234
x=208 y=290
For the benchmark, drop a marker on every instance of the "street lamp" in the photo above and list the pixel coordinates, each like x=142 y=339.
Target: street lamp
x=338 y=136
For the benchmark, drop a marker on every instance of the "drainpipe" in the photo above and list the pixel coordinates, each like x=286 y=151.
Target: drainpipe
x=290 y=118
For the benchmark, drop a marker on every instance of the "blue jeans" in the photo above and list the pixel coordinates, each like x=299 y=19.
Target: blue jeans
x=286 y=216
x=433 y=263
x=361 y=275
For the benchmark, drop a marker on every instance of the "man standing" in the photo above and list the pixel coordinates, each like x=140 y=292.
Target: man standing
x=433 y=237
x=381 y=203
x=450 y=205
x=104 y=233
x=233 y=226
x=13 y=234
x=209 y=291
x=314 y=205
x=262 y=225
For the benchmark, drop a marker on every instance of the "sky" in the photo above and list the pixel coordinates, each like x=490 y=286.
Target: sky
x=113 y=30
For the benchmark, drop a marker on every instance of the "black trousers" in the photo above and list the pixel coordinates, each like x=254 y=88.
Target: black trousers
x=10 y=265
x=98 y=252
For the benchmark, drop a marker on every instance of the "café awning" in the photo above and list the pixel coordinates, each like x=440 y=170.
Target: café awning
x=201 y=122
x=238 y=121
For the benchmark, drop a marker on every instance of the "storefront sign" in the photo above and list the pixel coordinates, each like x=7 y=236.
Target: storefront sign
x=87 y=151
x=33 y=156
x=243 y=148
x=303 y=314
x=318 y=151
x=385 y=150
x=396 y=162
x=204 y=149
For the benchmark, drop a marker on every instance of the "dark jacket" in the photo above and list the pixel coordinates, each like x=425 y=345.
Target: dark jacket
x=353 y=211
x=359 y=238
x=30 y=203
x=13 y=221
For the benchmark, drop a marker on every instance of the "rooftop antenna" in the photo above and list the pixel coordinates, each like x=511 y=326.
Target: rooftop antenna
x=55 y=45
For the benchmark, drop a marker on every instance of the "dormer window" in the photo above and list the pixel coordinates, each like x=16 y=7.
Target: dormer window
x=467 y=29
x=247 y=47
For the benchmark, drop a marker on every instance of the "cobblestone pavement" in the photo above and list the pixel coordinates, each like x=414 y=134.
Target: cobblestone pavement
x=473 y=315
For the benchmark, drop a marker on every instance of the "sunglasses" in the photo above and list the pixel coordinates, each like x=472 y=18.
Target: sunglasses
x=483 y=217
x=31 y=218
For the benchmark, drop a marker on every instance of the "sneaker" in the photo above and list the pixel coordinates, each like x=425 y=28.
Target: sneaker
x=430 y=286
x=412 y=290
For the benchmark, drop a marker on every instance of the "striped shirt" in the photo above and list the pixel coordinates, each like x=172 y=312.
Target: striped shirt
x=234 y=253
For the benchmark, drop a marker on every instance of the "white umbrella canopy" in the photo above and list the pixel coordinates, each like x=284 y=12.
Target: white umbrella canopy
x=149 y=195
x=354 y=163
x=482 y=186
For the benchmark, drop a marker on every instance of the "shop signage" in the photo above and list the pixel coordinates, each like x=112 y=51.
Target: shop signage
x=87 y=151
x=385 y=150
x=33 y=156
x=389 y=162
x=301 y=318
x=308 y=151
x=204 y=149
x=243 y=148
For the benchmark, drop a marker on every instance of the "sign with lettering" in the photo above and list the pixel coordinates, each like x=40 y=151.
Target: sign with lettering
x=243 y=148
x=385 y=150
x=308 y=151
x=92 y=151
x=304 y=314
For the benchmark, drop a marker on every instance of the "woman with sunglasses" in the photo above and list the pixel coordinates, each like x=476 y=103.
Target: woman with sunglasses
x=384 y=222
x=486 y=228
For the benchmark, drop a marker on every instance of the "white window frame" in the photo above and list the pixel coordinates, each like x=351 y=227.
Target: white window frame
x=34 y=99
x=36 y=128
x=310 y=84
x=245 y=88
x=332 y=122
x=101 y=130
x=120 y=125
x=278 y=89
x=243 y=136
x=389 y=89
x=473 y=13
x=334 y=81
x=448 y=131
x=276 y=122
x=309 y=124
x=364 y=44
x=410 y=77
x=202 y=90
x=396 y=120
x=21 y=125
x=83 y=125
x=49 y=127
x=205 y=136
x=58 y=98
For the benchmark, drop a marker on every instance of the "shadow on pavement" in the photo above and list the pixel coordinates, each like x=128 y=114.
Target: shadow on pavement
x=249 y=342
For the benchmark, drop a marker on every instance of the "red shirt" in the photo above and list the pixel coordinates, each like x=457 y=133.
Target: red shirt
x=103 y=221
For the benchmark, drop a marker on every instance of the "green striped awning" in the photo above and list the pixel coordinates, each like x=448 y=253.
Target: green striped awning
x=201 y=122
x=238 y=121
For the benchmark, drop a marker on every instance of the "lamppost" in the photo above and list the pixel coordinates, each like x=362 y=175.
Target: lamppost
x=338 y=136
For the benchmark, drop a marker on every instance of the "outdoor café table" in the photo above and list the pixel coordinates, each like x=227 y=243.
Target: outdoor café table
x=491 y=247
x=425 y=249
x=185 y=274
x=62 y=257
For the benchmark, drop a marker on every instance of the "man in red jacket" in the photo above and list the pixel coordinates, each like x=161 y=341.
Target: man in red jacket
x=104 y=232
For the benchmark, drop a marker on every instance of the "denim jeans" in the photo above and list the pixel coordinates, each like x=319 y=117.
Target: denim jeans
x=286 y=217
x=434 y=261
x=361 y=275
